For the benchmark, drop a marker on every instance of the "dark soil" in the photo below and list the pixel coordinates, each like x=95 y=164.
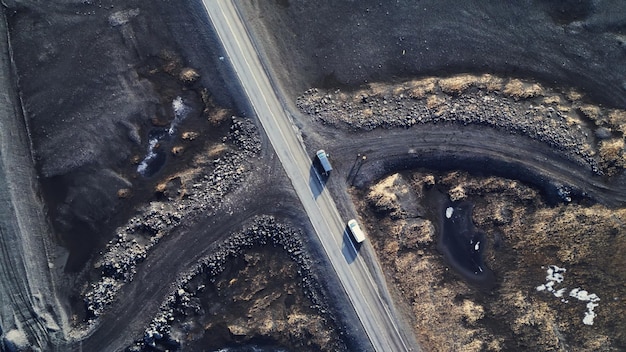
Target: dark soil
x=259 y=287
x=330 y=44
x=96 y=78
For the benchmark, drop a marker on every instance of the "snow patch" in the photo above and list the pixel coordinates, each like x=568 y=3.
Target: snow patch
x=592 y=300
x=141 y=168
x=555 y=275
x=449 y=212
x=180 y=113
x=17 y=338
x=559 y=293
x=122 y=17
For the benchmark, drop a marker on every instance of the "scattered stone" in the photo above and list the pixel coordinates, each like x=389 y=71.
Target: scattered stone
x=190 y=135
x=188 y=75
x=123 y=193
x=183 y=301
x=211 y=182
x=516 y=107
x=178 y=150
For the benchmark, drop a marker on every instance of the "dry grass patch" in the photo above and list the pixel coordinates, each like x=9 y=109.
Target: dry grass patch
x=457 y=85
x=591 y=112
x=434 y=101
x=518 y=89
x=617 y=118
x=612 y=159
x=419 y=89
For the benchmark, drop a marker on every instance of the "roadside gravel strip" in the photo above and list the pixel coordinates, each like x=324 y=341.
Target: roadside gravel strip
x=29 y=317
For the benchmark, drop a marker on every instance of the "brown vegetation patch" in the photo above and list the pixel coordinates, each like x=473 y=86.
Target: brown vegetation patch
x=257 y=298
x=456 y=85
x=525 y=236
x=612 y=158
x=188 y=75
x=419 y=89
x=558 y=118
x=517 y=89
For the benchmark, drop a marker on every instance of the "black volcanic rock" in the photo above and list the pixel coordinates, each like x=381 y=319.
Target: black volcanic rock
x=335 y=44
x=82 y=76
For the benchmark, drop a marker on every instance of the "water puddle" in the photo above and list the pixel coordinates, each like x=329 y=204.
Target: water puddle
x=158 y=139
x=461 y=244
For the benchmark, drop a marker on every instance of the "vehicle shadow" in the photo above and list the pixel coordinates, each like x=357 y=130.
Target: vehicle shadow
x=316 y=181
x=348 y=248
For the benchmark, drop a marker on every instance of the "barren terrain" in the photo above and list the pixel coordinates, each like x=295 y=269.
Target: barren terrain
x=143 y=207
x=534 y=230
x=145 y=171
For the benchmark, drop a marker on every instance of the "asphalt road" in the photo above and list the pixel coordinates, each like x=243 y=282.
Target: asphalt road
x=366 y=289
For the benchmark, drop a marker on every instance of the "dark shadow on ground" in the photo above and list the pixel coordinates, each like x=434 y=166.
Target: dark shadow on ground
x=317 y=181
x=461 y=244
x=348 y=248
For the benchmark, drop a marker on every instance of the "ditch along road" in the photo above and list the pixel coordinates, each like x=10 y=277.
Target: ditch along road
x=365 y=288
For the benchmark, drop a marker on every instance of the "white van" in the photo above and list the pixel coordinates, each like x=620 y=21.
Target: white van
x=356 y=231
x=322 y=156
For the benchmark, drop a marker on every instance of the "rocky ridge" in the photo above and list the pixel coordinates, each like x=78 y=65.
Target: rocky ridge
x=184 y=302
x=587 y=134
x=200 y=190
